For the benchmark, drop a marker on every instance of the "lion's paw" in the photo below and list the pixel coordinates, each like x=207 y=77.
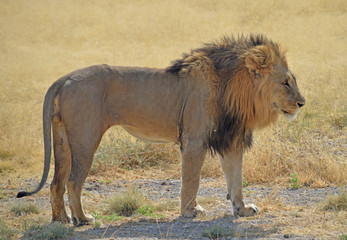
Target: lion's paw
x=63 y=218
x=193 y=212
x=247 y=211
x=87 y=220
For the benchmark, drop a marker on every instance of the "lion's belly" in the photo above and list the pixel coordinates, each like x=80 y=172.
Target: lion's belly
x=153 y=135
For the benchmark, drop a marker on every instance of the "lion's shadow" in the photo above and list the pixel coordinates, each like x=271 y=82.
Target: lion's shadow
x=179 y=228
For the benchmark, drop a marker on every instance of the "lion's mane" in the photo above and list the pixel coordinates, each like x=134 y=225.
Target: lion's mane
x=240 y=99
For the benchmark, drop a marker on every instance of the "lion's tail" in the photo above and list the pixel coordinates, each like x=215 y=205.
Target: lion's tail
x=47 y=118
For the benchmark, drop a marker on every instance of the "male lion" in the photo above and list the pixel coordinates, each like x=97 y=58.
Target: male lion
x=210 y=99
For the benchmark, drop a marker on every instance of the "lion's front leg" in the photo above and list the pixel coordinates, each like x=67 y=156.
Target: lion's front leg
x=193 y=155
x=231 y=164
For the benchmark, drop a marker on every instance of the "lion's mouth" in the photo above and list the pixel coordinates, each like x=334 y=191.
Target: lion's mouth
x=278 y=108
x=290 y=116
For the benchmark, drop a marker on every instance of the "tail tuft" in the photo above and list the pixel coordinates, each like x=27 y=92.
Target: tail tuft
x=22 y=194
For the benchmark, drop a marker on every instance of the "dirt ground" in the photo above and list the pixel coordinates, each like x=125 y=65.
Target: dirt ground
x=284 y=212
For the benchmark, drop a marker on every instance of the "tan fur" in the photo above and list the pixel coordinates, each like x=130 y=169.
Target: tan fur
x=207 y=99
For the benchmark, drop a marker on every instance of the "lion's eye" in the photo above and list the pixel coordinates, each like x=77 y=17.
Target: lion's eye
x=285 y=83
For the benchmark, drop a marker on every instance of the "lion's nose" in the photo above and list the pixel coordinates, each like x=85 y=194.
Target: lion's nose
x=301 y=104
x=300 y=101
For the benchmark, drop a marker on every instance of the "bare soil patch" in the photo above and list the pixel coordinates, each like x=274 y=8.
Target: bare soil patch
x=285 y=213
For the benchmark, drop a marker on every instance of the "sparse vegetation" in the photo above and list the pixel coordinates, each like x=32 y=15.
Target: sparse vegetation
x=5 y=155
x=6 y=164
x=219 y=232
x=336 y=203
x=149 y=211
x=146 y=210
x=244 y=182
x=53 y=231
x=168 y=205
x=97 y=224
x=113 y=217
x=103 y=181
x=125 y=204
x=109 y=217
x=343 y=237
x=5 y=231
x=270 y=202
x=129 y=203
x=339 y=121
x=294 y=181
x=25 y=208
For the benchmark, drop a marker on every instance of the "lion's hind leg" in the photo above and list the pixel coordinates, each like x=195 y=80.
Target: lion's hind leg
x=74 y=185
x=83 y=144
x=62 y=157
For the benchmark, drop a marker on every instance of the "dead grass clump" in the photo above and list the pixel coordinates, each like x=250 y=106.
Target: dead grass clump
x=6 y=166
x=271 y=202
x=6 y=163
x=336 y=203
x=24 y=209
x=168 y=206
x=339 y=121
x=5 y=231
x=48 y=232
x=6 y=155
x=125 y=204
x=219 y=232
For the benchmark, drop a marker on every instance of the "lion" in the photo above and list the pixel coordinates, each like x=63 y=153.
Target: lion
x=209 y=101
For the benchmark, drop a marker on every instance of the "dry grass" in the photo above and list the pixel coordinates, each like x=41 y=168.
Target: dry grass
x=271 y=202
x=302 y=221
x=219 y=232
x=48 y=232
x=336 y=203
x=119 y=149
x=23 y=209
x=6 y=232
x=125 y=204
x=42 y=40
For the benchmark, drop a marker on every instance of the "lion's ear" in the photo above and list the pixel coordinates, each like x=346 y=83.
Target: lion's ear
x=259 y=60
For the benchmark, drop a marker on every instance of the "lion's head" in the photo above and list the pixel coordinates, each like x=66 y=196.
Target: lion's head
x=250 y=85
x=286 y=97
x=274 y=84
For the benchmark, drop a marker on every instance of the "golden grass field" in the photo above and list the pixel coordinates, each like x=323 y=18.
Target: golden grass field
x=41 y=40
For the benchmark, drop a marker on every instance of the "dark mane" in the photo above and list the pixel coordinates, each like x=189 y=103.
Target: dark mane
x=224 y=53
x=232 y=105
x=228 y=131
